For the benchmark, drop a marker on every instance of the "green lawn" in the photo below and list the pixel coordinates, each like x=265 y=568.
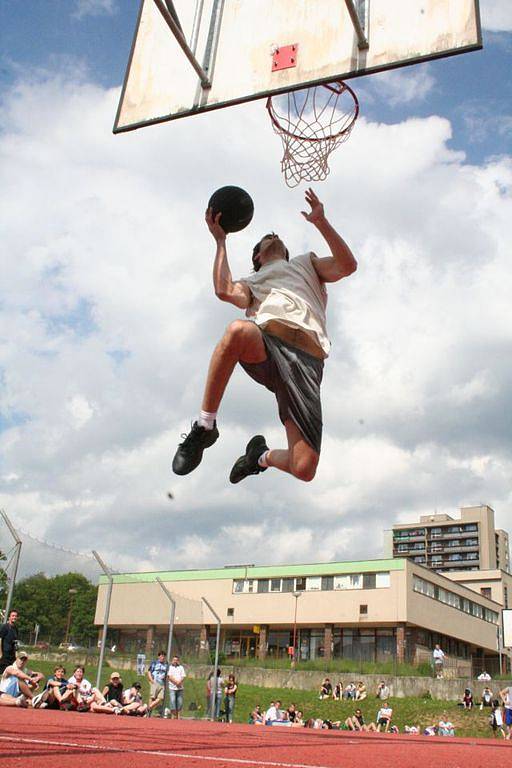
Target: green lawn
x=410 y=711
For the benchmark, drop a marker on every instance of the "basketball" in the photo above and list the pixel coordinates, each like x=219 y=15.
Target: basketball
x=235 y=205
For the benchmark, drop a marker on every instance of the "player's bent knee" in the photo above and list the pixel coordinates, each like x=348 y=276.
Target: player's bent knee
x=304 y=468
x=236 y=333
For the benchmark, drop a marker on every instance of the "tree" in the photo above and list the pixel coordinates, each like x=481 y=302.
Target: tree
x=47 y=601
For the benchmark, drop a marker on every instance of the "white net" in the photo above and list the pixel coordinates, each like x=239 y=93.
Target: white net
x=312 y=123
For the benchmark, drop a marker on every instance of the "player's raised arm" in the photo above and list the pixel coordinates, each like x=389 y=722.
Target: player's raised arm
x=226 y=289
x=342 y=262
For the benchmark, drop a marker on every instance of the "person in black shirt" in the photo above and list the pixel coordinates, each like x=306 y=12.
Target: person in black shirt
x=113 y=692
x=9 y=638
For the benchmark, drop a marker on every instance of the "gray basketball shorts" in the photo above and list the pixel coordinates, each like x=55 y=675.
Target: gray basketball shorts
x=295 y=378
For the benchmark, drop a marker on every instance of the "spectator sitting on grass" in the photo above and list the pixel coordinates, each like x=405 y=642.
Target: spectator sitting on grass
x=361 y=691
x=273 y=713
x=299 y=720
x=292 y=713
x=496 y=719
x=132 y=701
x=467 y=699
x=356 y=723
x=350 y=691
x=486 y=700
x=113 y=692
x=325 y=689
x=58 y=691
x=430 y=730
x=86 y=698
x=256 y=717
x=411 y=729
x=445 y=726
x=484 y=676
x=384 y=716
x=383 y=691
x=337 y=693
x=16 y=682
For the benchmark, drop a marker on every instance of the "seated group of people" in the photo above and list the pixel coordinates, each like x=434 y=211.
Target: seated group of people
x=354 y=691
x=21 y=687
x=293 y=717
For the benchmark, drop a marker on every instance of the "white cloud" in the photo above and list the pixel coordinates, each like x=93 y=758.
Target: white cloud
x=496 y=15
x=95 y=8
x=110 y=319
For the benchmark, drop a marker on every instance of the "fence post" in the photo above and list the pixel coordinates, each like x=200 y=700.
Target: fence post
x=108 y=573
x=169 y=637
x=217 y=643
x=17 y=555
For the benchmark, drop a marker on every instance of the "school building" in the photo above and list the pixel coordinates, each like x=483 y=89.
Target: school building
x=375 y=610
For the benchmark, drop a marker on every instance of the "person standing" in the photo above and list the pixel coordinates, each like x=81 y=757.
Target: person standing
x=506 y=697
x=229 y=698
x=157 y=672
x=175 y=676
x=438 y=660
x=9 y=638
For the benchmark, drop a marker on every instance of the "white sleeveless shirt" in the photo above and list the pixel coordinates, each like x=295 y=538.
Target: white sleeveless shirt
x=291 y=292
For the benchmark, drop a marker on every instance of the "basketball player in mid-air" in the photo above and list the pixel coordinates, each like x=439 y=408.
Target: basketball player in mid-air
x=282 y=346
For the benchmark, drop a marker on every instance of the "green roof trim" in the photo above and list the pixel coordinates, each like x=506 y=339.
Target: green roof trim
x=262 y=571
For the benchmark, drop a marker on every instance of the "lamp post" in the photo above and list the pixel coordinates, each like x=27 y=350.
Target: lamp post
x=296 y=596
x=71 y=592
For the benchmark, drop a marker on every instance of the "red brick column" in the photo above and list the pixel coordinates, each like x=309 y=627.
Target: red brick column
x=263 y=640
x=400 y=643
x=328 y=632
x=150 y=634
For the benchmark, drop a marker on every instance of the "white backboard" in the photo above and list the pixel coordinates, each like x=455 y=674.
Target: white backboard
x=234 y=41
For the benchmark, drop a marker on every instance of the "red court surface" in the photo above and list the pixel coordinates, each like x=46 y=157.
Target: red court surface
x=31 y=738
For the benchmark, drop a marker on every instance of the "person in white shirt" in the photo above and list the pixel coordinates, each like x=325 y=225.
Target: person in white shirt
x=273 y=713
x=438 y=660
x=282 y=346
x=175 y=677
x=16 y=686
x=85 y=697
x=383 y=691
x=484 y=676
x=384 y=716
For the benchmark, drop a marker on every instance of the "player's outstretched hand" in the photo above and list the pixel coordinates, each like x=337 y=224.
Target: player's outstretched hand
x=214 y=226
x=317 y=209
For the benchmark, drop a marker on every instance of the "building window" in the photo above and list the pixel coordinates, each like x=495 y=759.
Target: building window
x=263 y=585
x=327 y=582
x=369 y=580
x=363 y=610
x=313 y=583
x=238 y=586
x=275 y=585
x=287 y=585
x=300 y=584
x=486 y=592
x=383 y=579
x=231 y=612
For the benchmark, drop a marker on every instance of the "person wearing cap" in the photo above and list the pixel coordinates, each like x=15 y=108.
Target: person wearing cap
x=15 y=682
x=113 y=692
x=132 y=700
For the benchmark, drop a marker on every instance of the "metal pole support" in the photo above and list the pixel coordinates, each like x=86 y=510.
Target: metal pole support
x=214 y=693
x=180 y=39
x=170 y=635
x=362 y=41
x=12 y=580
x=108 y=573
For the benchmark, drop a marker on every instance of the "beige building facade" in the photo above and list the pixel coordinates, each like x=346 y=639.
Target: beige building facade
x=377 y=610
x=447 y=544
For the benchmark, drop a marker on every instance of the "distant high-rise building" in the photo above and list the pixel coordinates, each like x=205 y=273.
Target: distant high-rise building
x=444 y=543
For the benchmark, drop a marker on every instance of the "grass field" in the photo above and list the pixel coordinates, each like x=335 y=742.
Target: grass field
x=410 y=711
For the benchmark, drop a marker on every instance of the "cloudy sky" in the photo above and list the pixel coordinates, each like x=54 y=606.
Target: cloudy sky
x=108 y=318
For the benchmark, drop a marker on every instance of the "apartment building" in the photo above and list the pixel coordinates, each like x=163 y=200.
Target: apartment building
x=447 y=544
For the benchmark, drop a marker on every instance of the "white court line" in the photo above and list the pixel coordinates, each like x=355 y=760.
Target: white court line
x=162 y=753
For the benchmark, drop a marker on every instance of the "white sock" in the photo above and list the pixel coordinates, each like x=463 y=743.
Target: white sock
x=263 y=459
x=206 y=420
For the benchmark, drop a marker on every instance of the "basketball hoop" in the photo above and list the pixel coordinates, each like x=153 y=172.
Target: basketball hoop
x=312 y=123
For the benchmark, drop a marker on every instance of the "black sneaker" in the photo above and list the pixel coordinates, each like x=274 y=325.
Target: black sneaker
x=248 y=464
x=190 y=451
